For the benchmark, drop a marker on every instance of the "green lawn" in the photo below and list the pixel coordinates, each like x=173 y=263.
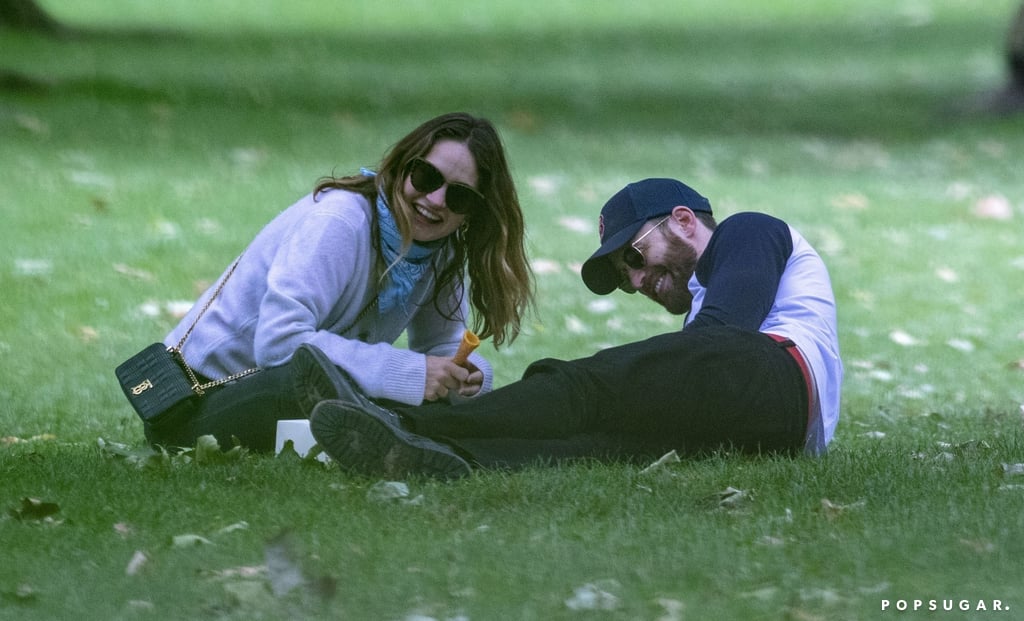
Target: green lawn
x=142 y=150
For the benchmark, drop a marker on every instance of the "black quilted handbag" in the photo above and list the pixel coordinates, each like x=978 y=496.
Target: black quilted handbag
x=155 y=381
x=157 y=378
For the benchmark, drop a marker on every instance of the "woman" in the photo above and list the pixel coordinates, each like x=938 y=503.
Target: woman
x=351 y=267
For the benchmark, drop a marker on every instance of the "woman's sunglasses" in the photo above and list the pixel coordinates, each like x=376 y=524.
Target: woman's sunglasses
x=632 y=256
x=459 y=198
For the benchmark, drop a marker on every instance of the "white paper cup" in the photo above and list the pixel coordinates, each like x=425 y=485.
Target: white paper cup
x=302 y=438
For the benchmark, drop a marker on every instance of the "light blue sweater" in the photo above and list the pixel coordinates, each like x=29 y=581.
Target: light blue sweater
x=305 y=278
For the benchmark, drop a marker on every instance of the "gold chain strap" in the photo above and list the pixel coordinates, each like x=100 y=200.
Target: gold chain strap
x=369 y=305
x=198 y=388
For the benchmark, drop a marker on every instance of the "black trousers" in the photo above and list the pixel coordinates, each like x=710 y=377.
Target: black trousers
x=692 y=391
x=247 y=409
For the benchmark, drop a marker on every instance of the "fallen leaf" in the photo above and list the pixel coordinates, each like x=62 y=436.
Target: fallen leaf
x=16 y=440
x=546 y=185
x=875 y=589
x=90 y=178
x=88 y=334
x=833 y=511
x=968 y=447
x=283 y=571
x=979 y=545
x=763 y=595
x=799 y=614
x=383 y=491
x=137 y=562
x=208 y=226
x=576 y=224
x=246 y=571
x=250 y=598
x=32 y=124
x=850 y=201
x=594 y=596
x=142 y=457
x=243 y=525
x=208 y=451
x=574 y=325
x=34 y=509
x=959 y=190
x=33 y=267
x=288 y=451
x=826 y=596
x=189 y=541
x=961 y=344
x=602 y=306
x=902 y=338
x=1013 y=470
x=247 y=156
x=141 y=604
x=732 y=498
x=768 y=540
x=25 y=592
x=947 y=274
x=673 y=609
x=545 y=266
x=670 y=457
x=993 y=207
x=133 y=272
x=177 y=309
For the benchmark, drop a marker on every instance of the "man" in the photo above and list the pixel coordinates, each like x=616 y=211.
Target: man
x=756 y=366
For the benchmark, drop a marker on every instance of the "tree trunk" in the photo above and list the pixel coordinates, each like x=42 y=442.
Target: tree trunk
x=1015 y=49
x=25 y=15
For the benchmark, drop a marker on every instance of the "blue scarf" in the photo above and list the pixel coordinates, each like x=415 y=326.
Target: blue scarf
x=404 y=271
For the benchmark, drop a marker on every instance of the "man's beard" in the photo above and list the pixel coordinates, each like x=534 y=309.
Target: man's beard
x=680 y=259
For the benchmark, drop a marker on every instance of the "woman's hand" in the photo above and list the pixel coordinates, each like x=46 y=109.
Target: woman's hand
x=443 y=376
x=473 y=383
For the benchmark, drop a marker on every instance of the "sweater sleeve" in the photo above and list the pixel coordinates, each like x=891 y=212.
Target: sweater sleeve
x=741 y=269
x=322 y=261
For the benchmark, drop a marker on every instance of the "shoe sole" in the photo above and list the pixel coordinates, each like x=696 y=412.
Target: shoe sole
x=312 y=383
x=362 y=443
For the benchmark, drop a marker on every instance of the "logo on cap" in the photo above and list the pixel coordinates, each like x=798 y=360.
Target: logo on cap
x=600 y=226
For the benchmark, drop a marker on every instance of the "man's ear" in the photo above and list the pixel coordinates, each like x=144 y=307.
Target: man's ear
x=685 y=219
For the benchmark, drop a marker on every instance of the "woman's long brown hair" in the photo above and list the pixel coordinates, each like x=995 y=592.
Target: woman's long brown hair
x=490 y=244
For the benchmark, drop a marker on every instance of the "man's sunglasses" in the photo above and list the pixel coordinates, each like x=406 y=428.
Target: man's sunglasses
x=632 y=256
x=459 y=198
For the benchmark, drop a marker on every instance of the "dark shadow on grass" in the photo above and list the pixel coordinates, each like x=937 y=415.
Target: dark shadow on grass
x=836 y=79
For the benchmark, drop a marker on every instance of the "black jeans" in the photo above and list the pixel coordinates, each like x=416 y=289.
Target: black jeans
x=247 y=409
x=692 y=391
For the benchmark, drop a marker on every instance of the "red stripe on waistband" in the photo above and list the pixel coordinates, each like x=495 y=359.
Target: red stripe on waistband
x=794 y=351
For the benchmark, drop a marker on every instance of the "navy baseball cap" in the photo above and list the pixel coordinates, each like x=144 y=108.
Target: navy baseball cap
x=624 y=214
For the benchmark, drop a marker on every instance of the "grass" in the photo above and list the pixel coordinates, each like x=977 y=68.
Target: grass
x=141 y=153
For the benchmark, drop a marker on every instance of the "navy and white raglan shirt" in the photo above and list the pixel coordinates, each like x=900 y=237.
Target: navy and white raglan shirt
x=758 y=273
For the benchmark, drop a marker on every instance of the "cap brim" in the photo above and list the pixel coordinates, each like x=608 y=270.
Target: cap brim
x=598 y=272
